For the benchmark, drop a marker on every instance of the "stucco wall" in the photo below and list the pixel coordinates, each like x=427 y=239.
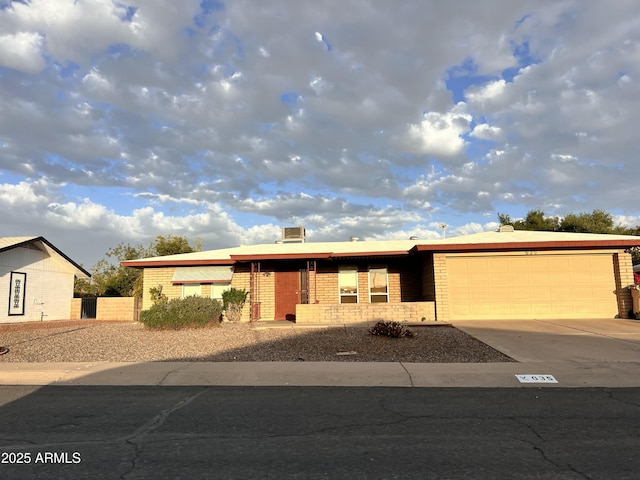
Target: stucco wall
x=47 y=291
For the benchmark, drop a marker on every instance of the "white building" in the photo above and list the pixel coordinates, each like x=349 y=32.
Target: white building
x=36 y=280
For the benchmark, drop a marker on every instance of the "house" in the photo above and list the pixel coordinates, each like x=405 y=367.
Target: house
x=492 y=275
x=36 y=280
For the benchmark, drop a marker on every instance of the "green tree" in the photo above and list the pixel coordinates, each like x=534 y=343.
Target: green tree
x=110 y=278
x=171 y=245
x=534 y=220
x=597 y=221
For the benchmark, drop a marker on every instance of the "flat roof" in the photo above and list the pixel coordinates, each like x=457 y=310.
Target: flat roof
x=500 y=241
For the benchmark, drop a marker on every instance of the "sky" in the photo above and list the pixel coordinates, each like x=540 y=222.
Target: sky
x=226 y=120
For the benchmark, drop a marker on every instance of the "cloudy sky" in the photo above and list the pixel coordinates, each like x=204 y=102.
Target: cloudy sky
x=225 y=120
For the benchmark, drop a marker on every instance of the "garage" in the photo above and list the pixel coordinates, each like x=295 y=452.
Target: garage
x=531 y=285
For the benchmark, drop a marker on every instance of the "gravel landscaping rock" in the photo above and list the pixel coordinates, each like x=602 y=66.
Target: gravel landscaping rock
x=92 y=341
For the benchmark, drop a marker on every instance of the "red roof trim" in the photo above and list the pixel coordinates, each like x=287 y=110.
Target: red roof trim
x=280 y=256
x=559 y=244
x=202 y=282
x=370 y=254
x=462 y=247
x=174 y=263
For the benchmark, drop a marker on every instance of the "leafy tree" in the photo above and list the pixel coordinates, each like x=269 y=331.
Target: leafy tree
x=534 y=220
x=170 y=245
x=110 y=278
x=597 y=221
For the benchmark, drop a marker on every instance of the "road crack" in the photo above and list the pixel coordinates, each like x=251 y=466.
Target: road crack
x=153 y=424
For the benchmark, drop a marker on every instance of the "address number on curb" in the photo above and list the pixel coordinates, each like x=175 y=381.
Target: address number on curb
x=536 y=379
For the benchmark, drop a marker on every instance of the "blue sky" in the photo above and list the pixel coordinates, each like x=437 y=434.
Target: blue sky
x=226 y=120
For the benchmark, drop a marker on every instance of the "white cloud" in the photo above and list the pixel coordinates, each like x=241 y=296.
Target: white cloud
x=439 y=134
x=136 y=119
x=492 y=93
x=484 y=131
x=22 y=51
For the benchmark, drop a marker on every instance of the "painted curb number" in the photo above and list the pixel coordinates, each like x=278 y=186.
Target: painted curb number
x=536 y=379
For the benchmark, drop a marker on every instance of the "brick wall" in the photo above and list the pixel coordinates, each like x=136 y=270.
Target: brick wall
x=154 y=277
x=623 y=271
x=366 y=312
x=441 y=287
x=124 y=309
x=76 y=309
x=242 y=280
x=428 y=280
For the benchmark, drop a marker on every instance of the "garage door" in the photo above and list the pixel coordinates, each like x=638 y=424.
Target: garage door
x=528 y=287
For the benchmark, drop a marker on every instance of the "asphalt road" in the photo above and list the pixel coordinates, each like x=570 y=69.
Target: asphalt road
x=318 y=432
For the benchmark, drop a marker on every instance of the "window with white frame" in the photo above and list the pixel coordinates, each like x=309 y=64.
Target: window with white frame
x=191 y=290
x=218 y=288
x=378 y=285
x=348 y=284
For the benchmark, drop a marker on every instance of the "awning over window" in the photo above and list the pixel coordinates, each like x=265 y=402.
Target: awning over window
x=217 y=274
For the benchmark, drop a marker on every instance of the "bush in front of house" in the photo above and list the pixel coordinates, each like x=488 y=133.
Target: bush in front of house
x=178 y=313
x=391 y=329
x=232 y=302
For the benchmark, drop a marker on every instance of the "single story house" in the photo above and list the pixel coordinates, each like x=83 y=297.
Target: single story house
x=36 y=280
x=492 y=275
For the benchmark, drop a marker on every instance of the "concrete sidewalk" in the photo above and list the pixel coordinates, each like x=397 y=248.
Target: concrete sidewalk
x=577 y=353
x=606 y=374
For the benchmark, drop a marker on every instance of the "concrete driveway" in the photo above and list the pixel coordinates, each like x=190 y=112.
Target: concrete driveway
x=607 y=340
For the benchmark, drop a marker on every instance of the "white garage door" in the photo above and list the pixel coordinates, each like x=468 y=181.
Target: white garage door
x=529 y=287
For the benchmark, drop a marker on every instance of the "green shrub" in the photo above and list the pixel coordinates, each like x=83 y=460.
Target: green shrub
x=391 y=329
x=181 y=313
x=232 y=302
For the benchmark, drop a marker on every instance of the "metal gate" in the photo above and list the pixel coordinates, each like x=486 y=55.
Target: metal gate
x=89 y=307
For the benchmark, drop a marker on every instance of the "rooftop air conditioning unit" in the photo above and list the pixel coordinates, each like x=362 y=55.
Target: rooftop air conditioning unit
x=293 y=234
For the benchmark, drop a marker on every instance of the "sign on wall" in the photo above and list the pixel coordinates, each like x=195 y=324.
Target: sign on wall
x=17 y=292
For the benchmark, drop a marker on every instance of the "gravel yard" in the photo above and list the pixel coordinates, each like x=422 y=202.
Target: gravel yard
x=90 y=341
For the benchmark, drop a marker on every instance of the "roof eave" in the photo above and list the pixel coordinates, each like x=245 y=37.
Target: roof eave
x=173 y=263
x=256 y=257
x=533 y=245
x=82 y=272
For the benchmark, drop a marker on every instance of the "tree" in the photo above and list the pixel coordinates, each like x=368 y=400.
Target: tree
x=110 y=278
x=534 y=220
x=171 y=245
x=597 y=221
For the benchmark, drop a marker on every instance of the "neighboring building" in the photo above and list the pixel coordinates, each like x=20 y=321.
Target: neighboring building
x=492 y=275
x=36 y=280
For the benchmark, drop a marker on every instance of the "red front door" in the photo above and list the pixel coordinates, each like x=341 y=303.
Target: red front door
x=287 y=295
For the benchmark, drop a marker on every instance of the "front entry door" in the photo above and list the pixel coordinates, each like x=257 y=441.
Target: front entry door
x=287 y=295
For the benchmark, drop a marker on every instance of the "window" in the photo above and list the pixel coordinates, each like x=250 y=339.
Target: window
x=348 y=284
x=218 y=288
x=191 y=290
x=378 y=285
